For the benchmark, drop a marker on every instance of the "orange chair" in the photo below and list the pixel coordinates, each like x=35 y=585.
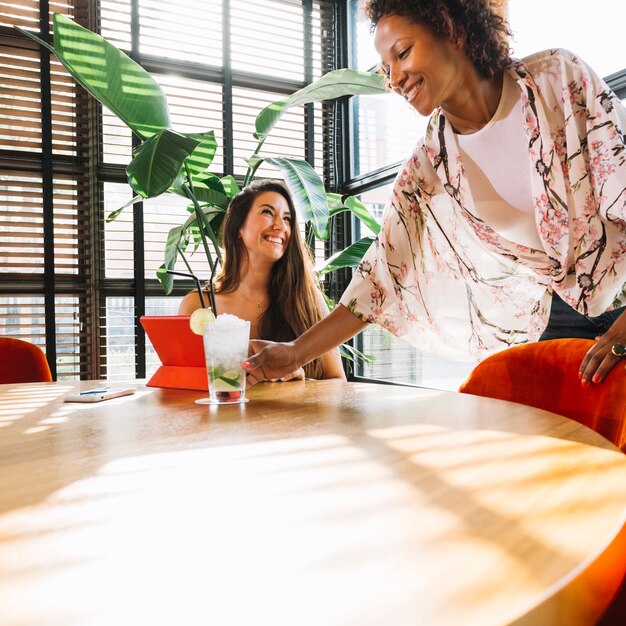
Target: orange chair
x=22 y=362
x=545 y=375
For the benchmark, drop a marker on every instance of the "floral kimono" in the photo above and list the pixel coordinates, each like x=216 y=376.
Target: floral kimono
x=440 y=278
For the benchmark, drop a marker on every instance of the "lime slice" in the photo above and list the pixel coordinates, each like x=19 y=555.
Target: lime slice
x=232 y=374
x=219 y=384
x=199 y=318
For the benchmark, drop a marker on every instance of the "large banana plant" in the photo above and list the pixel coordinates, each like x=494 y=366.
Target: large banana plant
x=168 y=161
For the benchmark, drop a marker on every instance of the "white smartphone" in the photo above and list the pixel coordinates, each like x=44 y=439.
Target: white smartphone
x=99 y=394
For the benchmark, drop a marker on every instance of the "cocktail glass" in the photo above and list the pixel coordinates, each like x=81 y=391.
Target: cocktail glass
x=225 y=348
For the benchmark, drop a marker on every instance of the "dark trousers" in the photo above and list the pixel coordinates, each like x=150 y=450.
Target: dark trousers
x=566 y=322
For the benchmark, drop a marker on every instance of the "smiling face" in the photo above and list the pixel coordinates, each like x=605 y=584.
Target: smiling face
x=422 y=68
x=266 y=231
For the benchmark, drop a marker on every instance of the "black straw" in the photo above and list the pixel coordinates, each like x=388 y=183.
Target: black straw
x=199 y=288
x=195 y=279
x=211 y=289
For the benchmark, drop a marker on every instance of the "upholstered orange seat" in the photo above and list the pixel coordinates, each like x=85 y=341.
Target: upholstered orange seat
x=22 y=362
x=545 y=375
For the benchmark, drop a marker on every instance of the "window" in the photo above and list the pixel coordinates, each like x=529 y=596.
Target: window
x=570 y=24
x=72 y=282
x=47 y=270
x=383 y=131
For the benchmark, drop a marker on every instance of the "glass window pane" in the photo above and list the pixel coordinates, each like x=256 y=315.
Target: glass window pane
x=21 y=223
x=118 y=338
x=116 y=139
x=286 y=139
x=118 y=234
x=115 y=22
x=384 y=130
x=20 y=99
x=159 y=216
x=189 y=31
x=595 y=35
x=268 y=38
x=71 y=348
x=23 y=317
x=196 y=107
x=362 y=52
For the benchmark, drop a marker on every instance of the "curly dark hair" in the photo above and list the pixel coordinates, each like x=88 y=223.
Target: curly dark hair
x=477 y=23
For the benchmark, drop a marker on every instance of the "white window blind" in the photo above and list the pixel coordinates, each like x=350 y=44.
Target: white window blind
x=46 y=237
x=72 y=282
x=182 y=47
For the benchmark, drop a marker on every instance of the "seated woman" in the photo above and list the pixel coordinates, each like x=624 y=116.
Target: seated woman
x=267 y=275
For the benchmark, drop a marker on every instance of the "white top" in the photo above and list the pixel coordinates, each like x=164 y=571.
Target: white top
x=497 y=165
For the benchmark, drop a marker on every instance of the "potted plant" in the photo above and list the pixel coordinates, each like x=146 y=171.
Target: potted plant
x=168 y=161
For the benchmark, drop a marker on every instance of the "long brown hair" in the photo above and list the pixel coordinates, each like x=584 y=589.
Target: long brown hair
x=295 y=301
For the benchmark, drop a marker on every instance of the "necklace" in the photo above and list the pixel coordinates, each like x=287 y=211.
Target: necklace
x=258 y=303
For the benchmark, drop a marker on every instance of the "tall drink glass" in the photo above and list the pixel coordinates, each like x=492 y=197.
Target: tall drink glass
x=225 y=347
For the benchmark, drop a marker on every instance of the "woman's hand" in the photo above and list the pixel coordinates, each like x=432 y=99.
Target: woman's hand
x=599 y=360
x=272 y=361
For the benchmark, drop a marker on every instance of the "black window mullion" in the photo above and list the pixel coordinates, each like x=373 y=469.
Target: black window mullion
x=228 y=90
x=47 y=176
x=617 y=82
x=309 y=119
x=309 y=111
x=139 y=271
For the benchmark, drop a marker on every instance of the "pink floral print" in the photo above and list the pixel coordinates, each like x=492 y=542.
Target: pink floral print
x=441 y=278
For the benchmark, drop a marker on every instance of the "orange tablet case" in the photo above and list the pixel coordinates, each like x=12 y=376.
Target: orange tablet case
x=181 y=353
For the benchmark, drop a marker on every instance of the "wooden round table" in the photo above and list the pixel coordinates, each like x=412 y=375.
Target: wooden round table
x=320 y=503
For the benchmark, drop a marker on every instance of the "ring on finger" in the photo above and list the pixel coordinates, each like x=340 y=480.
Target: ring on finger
x=619 y=350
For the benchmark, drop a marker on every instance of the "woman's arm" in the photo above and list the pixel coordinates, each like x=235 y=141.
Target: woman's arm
x=331 y=360
x=275 y=360
x=333 y=367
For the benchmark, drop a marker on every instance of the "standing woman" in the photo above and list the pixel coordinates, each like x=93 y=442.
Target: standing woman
x=267 y=276
x=507 y=224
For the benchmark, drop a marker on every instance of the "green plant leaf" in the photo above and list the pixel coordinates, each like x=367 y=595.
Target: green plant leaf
x=110 y=76
x=344 y=82
x=335 y=204
x=175 y=237
x=203 y=154
x=213 y=214
x=330 y=303
x=166 y=280
x=179 y=236
x=253 y=162
x=158 y=162
x=349 y=257
x=307 y=191
x=204 y=195
x=115 y=214
x=353 y=354
x=361 y=211
x=230 y=186
x=212 y=182
x=338 y=203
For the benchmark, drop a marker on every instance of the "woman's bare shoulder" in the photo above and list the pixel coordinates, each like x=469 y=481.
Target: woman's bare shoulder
x=191 y=302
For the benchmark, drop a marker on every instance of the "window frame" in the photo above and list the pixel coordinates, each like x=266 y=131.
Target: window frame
x=93 y=290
